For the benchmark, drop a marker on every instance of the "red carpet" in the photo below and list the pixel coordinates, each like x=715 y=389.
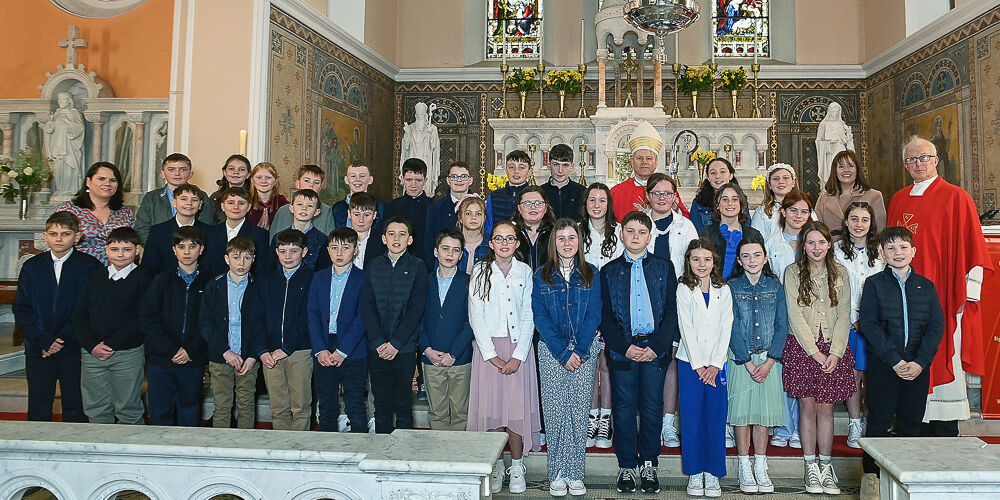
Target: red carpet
x=840 y=449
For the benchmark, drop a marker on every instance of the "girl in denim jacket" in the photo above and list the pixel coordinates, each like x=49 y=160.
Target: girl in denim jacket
x=760 y=328
x=566 y=302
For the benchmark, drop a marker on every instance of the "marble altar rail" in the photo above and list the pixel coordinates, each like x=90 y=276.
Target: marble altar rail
x=95 y=462
x=936 y=468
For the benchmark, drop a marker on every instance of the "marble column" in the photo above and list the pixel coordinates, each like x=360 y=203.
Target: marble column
x=602 y=73
x=8 y=141
x=658 y=78
x=97 y=138
x=137 y=139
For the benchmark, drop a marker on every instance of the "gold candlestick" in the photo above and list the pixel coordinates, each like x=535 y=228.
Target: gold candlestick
x=541 y=92
x=503 y=91
x=676 y=113
x=714 y=113
x=755 y=68
x=583 y=159
x=531 y=149
x=582 y=68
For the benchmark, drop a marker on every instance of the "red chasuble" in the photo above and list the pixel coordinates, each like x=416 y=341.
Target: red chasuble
x=627 y=196
x=950 y=243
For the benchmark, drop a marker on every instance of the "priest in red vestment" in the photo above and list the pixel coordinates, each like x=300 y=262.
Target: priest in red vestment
x=630 y=194
x=951 y=252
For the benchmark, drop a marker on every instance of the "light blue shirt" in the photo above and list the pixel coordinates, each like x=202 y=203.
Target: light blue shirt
x=337 y=285
x=170 y=199
x=640 y=308
x=236 y=291
x=188 y=278
x=289 y=272
x=443 y=285
x=906 y=318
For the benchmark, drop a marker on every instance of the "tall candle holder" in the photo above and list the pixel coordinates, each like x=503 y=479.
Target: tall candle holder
x=531 y=149
x=582 y=68
x=541 y=92
x=755 y=68
x=676 y=113
x=583 y=159
x=504 y=68
x=714 y=113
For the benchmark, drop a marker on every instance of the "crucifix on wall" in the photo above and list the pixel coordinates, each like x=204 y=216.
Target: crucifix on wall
x=71 y=43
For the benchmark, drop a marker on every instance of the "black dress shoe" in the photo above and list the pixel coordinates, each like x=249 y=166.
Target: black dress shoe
x=626 y=480
x=647 y=474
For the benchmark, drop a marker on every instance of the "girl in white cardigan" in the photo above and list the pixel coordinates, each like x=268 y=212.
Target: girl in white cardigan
x=705 y=318
x=504 y=385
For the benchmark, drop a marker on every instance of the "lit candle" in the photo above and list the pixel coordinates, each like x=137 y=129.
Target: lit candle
x=711 y=41
x=755 y=44
x=503 y=39
x=243 y=142
x=677 y=44
x=582 y=57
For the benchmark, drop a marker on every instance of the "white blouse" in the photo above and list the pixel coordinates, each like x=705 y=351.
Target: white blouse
x=705 y=329
x=593 y=254
x=858 y=271
x=506 y=312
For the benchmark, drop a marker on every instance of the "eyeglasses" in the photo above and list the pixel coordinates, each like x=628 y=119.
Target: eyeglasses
x=661 y=194
x=532 y=204
x=912 y=160
x=505 y=239
x=460 y=177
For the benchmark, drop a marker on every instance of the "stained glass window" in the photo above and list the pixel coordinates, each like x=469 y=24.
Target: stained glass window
x=741 y=28
x=522 y=20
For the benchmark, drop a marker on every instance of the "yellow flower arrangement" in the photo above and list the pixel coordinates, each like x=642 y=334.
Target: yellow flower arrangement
x=733 y=79
x=569 y=81
x=494 y=182
x=695 y=78
x=702 y=157
x=521 y=80
x=758 y=183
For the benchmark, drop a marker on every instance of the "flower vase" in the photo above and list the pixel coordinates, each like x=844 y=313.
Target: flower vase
x=562 y=104
x=701 y=167
x=524 y=98
x=22 y=199
x=694 y=104
x=732 y=96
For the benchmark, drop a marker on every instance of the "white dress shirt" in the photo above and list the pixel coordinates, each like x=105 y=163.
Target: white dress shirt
x=57 y=263
x=232 y=232
x=116 y=274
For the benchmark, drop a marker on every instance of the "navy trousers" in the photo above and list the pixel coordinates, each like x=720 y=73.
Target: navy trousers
x=392 y=391
x=42 y=375
x=703 y=419
x=637 y=390
x=174 y=391
x=351 y=374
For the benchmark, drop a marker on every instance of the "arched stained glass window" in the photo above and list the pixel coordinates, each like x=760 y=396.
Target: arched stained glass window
x=741 y=28
x=522 y=20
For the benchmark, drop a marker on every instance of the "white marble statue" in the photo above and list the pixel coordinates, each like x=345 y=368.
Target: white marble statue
x=420 y=140
x=64 y=145
x=832 y=137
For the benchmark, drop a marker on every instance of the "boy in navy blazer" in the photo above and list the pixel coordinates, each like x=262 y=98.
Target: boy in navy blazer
x=158 y=254
x=443 y=212
x=446 y=336
x=235 y=203
x=305 y=207
x=47 y=291
x=155 y=206
x=337 y=334
x=232 y=340
x=364 y=215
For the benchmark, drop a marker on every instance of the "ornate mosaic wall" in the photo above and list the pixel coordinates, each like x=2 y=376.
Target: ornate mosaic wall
x=326 y=108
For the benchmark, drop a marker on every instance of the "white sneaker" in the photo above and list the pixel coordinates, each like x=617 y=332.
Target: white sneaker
x=764 y=484
x=870 y=487
x=828 y=479
x=812 y=478
x=712 y=486
x=371 y=426
x=779 y=441
x=795 y=441
x=668 y=436
x=343 y=425
x=602 y=439
x=516 y=472
x=730 y=440
x=591 y=430
x=747 y=482
x=696 y=485
x=577 y=488
x=855 y=430
x=558 y=487
x=496 y=477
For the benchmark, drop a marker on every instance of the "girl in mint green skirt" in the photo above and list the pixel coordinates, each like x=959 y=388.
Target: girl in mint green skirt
x=760 y=327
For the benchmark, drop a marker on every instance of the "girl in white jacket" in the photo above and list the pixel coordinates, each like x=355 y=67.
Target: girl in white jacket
x=705 y=318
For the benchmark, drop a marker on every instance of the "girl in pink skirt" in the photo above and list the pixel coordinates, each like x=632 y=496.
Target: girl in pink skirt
x=818 y=367
x=504 y=387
